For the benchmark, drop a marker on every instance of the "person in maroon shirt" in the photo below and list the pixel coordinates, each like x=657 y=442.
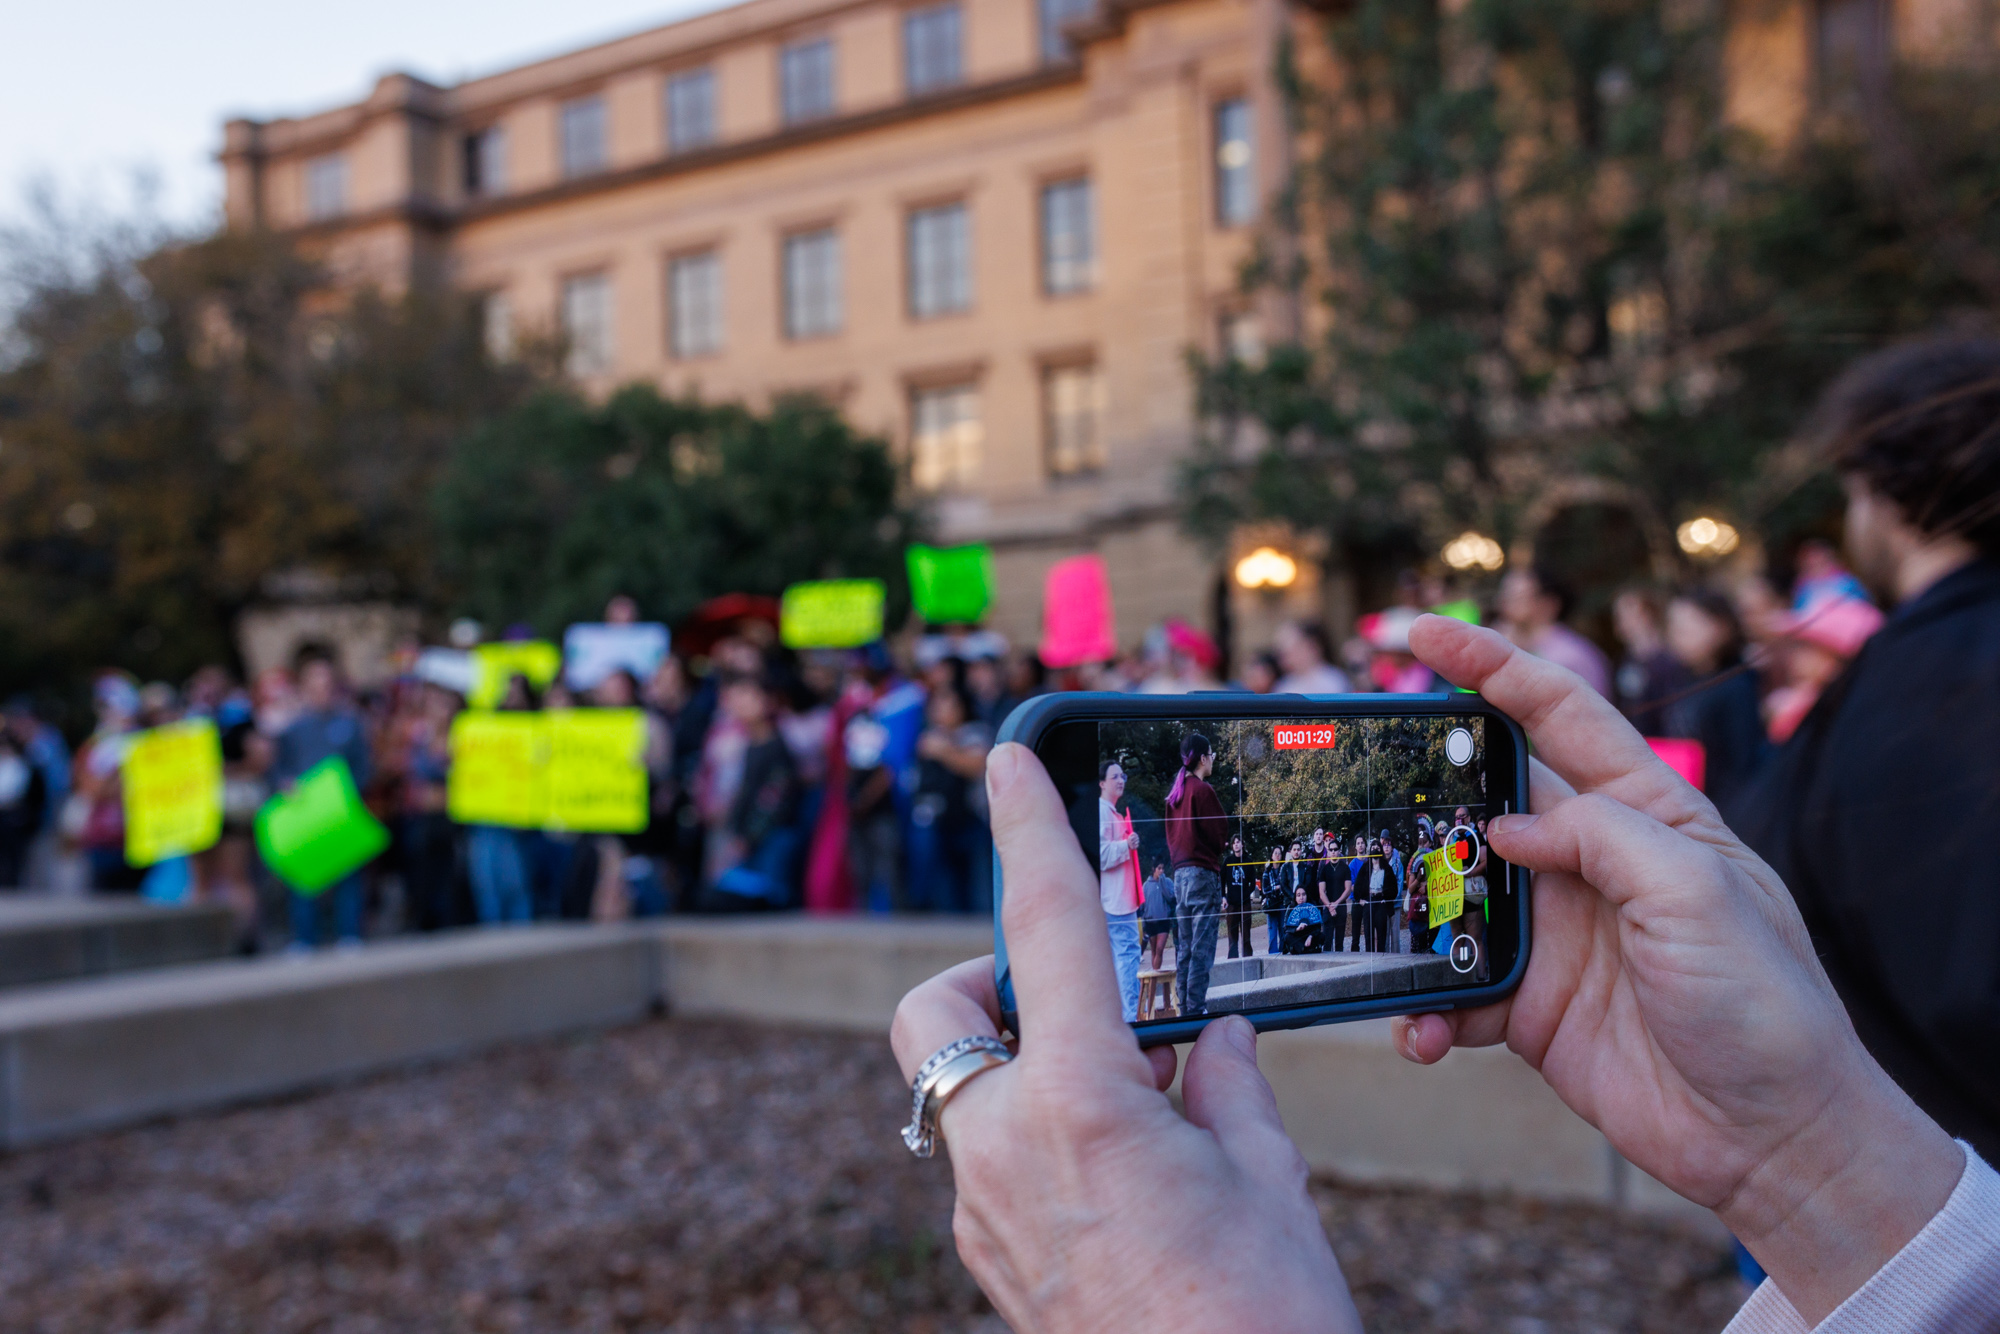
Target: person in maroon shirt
x=1197 y=831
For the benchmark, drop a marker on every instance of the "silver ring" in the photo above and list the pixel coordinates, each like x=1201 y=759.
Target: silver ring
x=949 y=1069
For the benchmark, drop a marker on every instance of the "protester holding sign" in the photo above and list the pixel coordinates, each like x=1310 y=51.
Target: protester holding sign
x=324 y=728
x=593 y=652
x=495 y=862
x=172 y=791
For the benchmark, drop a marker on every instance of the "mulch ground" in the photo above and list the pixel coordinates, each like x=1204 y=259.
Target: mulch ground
x=678 y=1177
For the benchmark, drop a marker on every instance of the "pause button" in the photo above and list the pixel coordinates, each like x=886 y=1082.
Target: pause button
x=1464 y=954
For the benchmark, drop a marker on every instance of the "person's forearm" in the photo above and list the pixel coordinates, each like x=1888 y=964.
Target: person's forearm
x=1840 y=1199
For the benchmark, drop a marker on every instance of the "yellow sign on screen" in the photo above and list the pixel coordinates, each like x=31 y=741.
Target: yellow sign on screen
x=493 y=665
x=497 y=764
x=173 y=792
x=831 y=613
x=596 y=777
x=1447 y=891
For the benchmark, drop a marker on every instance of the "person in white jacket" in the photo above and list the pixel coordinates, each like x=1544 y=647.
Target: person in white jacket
x=1118 y=883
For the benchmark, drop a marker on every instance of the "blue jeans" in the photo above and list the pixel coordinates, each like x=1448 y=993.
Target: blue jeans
x=346 y=898
x=1196 y=924
x=499 y=873
x=1125 y=958
x=951 y=867
x=1271 y=924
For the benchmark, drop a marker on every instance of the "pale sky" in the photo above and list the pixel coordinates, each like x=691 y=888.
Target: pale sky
x=91 y=90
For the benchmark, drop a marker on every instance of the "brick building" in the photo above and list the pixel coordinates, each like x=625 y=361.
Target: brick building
x=988 y=229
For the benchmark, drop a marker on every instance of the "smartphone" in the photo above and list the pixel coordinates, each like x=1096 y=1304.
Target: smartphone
x=1296 y=860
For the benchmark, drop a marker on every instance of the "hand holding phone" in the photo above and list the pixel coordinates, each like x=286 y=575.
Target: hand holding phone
x=1348 y=802
x=1673 y=1003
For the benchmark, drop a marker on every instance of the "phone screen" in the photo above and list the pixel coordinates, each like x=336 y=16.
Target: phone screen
x=1272 y=862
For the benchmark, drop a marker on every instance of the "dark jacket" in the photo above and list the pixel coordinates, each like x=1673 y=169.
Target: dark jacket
x=313 y=737
x=1723 y=716
x=1305 y=929
x=1899 y=764
x=768 y=798
x=1196 y=827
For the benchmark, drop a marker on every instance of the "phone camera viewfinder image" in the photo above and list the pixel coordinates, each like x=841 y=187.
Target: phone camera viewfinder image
x=1269 y=864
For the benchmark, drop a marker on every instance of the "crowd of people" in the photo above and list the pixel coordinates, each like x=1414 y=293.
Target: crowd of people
x=852 y=779
x=775 y=780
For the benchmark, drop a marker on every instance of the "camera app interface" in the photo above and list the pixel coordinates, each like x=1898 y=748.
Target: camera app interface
x=1266 y=863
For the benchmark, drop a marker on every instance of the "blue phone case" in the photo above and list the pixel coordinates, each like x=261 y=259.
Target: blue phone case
x=1032 y=719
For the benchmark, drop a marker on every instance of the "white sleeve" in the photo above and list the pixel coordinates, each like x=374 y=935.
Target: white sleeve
x=1946 y=1279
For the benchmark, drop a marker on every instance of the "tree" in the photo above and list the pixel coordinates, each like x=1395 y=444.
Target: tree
x=546 y=511
x=1380 y=774
x=180 y=421
x=1533 y=262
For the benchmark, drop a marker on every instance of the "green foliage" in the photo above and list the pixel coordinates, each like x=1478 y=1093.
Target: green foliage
x=181 y=422
x=1534 y=262
x=1380 y=774
x=547 y=510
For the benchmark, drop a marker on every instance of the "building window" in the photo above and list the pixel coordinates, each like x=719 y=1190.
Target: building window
x=1069 y=237
x=691 y=110
x=1847 y=36
x=496 y=324
x=583 y=147
x=940 y=261
x=930 y=48
x=486 y=162
x=805 y=80
x=1240 y=335
x=326 y=187
x=1055 y=16
x=694 y=304
x=946 y=439
x=1235 y=188
x=586 y=323
x=812 y=284
x=1073 y=419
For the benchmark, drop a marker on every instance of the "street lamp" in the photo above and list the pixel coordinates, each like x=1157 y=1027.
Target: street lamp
x=1473 y=551
x=1266 y=567
x=1706 y=538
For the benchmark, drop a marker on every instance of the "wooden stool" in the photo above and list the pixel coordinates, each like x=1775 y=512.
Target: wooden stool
x=1151 y=993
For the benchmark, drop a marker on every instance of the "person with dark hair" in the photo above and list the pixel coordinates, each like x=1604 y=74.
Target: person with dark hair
x=1159 y=911
x=1533 y=605
x=951 y=852
x=1120 y=893
x=1236 y=889
x=1305 y=926
x=324 y=727
x=1276 y=889
x=1649 y=672
x=1909 y=730
x=1721 y=710
x=762 y=823
x=1196 y=828
x=1261 y=673
x=1304 y=653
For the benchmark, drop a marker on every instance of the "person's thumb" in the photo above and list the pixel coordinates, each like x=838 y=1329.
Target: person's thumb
x=1227 y=1095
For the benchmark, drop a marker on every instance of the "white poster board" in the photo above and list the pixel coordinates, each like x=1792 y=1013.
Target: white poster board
x=592 y=652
